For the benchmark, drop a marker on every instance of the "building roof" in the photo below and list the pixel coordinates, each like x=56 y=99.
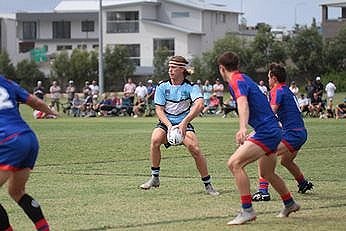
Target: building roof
x=334 y=3
x=93 y=5
x=170 y=26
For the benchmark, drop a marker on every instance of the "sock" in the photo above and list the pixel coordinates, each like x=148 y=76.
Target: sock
x=246 y=202
x=206 y=180
x=155 y=171
x=34 y=212
x=287 y=199
x=301 y=179
x=4 y=222
x=263 y=185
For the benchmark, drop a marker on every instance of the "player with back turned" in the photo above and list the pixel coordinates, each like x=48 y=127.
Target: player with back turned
x=18 y=151
x=285 y=104
x=261 y=145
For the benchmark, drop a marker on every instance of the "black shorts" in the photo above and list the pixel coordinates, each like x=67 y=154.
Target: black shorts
x=161 y=125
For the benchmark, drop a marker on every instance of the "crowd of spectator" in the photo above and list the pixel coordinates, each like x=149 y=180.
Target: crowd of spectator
x=137 y=100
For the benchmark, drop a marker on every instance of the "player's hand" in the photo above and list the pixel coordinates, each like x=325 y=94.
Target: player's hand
x=240 y=136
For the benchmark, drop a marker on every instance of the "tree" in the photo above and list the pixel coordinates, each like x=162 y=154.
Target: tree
x=80 y=65
x=335 y=52
x=61 y=68
x=118 y=66
x=306 y=50
x=160 y=64
x=28 y=73
x=6 y=67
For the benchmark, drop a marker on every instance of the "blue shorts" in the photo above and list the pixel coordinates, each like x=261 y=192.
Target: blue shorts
x=294 y=139
x=18 y=151
x=268 y=140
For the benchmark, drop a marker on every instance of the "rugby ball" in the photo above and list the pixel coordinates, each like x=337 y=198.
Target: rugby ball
x=174 y=136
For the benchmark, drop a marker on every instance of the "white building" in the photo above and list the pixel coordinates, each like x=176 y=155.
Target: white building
x=8 y=34
x=185 y=27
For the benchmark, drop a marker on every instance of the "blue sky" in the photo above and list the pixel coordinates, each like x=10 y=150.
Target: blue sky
x=274 y=12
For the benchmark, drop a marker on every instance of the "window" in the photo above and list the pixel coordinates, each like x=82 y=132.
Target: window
x=180 y=14
x=63 y=47
x=61 y=30
x=95 y=46
x=164 y=43
x=134 y=53
x=88 y=26
x=122 y=22
x=82 y=46
x=29 y=30
x=220 y=17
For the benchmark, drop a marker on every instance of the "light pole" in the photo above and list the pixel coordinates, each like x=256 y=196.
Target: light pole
x=295 y=11
x=101 y=79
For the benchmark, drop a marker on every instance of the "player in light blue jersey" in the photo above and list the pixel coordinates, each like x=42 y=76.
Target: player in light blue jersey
x=18 y=151
x=177 y=103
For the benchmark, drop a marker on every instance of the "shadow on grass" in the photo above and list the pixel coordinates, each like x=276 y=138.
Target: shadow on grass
x=194 y=219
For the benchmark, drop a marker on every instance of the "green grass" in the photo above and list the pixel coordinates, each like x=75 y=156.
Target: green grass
x=89 y=169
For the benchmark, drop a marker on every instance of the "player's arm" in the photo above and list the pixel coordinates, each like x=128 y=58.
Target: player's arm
x=244 y=112
x=160 y=112
x=196 y=108
x=39 y=105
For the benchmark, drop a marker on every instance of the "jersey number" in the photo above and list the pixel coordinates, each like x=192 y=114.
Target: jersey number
x=4 y=101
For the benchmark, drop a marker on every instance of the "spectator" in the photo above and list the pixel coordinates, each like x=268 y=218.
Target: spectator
x=229 y=106
x=70 y=91
x=318 y=86
x=309 y=88
x=294 y=89
x=141 y=92
x=199 y=84
x=218 y=88
x=129 y=90
x=330 y=89
x=150 y=110
x=39 y=90
x=315 y=107
x=55 y=94
x=212 y=106
x=207 y=90
x=139 y=107
x=86 y=89
x=104 y=107
x=329 y=113
x=94 y=88
x=41 y=115
x=340 y=110
x=303 y=103
x=263 y=87
x=76 y=106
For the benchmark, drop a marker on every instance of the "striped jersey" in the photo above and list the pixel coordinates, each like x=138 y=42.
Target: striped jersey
x=176 y=99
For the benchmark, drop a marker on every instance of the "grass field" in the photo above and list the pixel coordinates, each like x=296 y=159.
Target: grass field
x=89 y=169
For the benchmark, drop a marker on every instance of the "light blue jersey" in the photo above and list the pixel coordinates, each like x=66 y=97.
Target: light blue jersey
x=176 y=99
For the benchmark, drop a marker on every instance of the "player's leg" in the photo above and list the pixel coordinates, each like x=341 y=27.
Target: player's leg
x=16 y=189
x=267 y=165
x=245 y=154
x=4 y=221
x=192 y=144
x=158 y=138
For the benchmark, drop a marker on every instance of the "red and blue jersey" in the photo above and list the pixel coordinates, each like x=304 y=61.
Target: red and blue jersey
x=288 y=108
x=261 y=116
x=11 y=121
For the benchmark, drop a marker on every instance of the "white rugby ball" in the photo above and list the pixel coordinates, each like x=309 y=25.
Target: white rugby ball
x=175 y=137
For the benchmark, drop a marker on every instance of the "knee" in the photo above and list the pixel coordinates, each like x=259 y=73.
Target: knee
x=233 y=165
